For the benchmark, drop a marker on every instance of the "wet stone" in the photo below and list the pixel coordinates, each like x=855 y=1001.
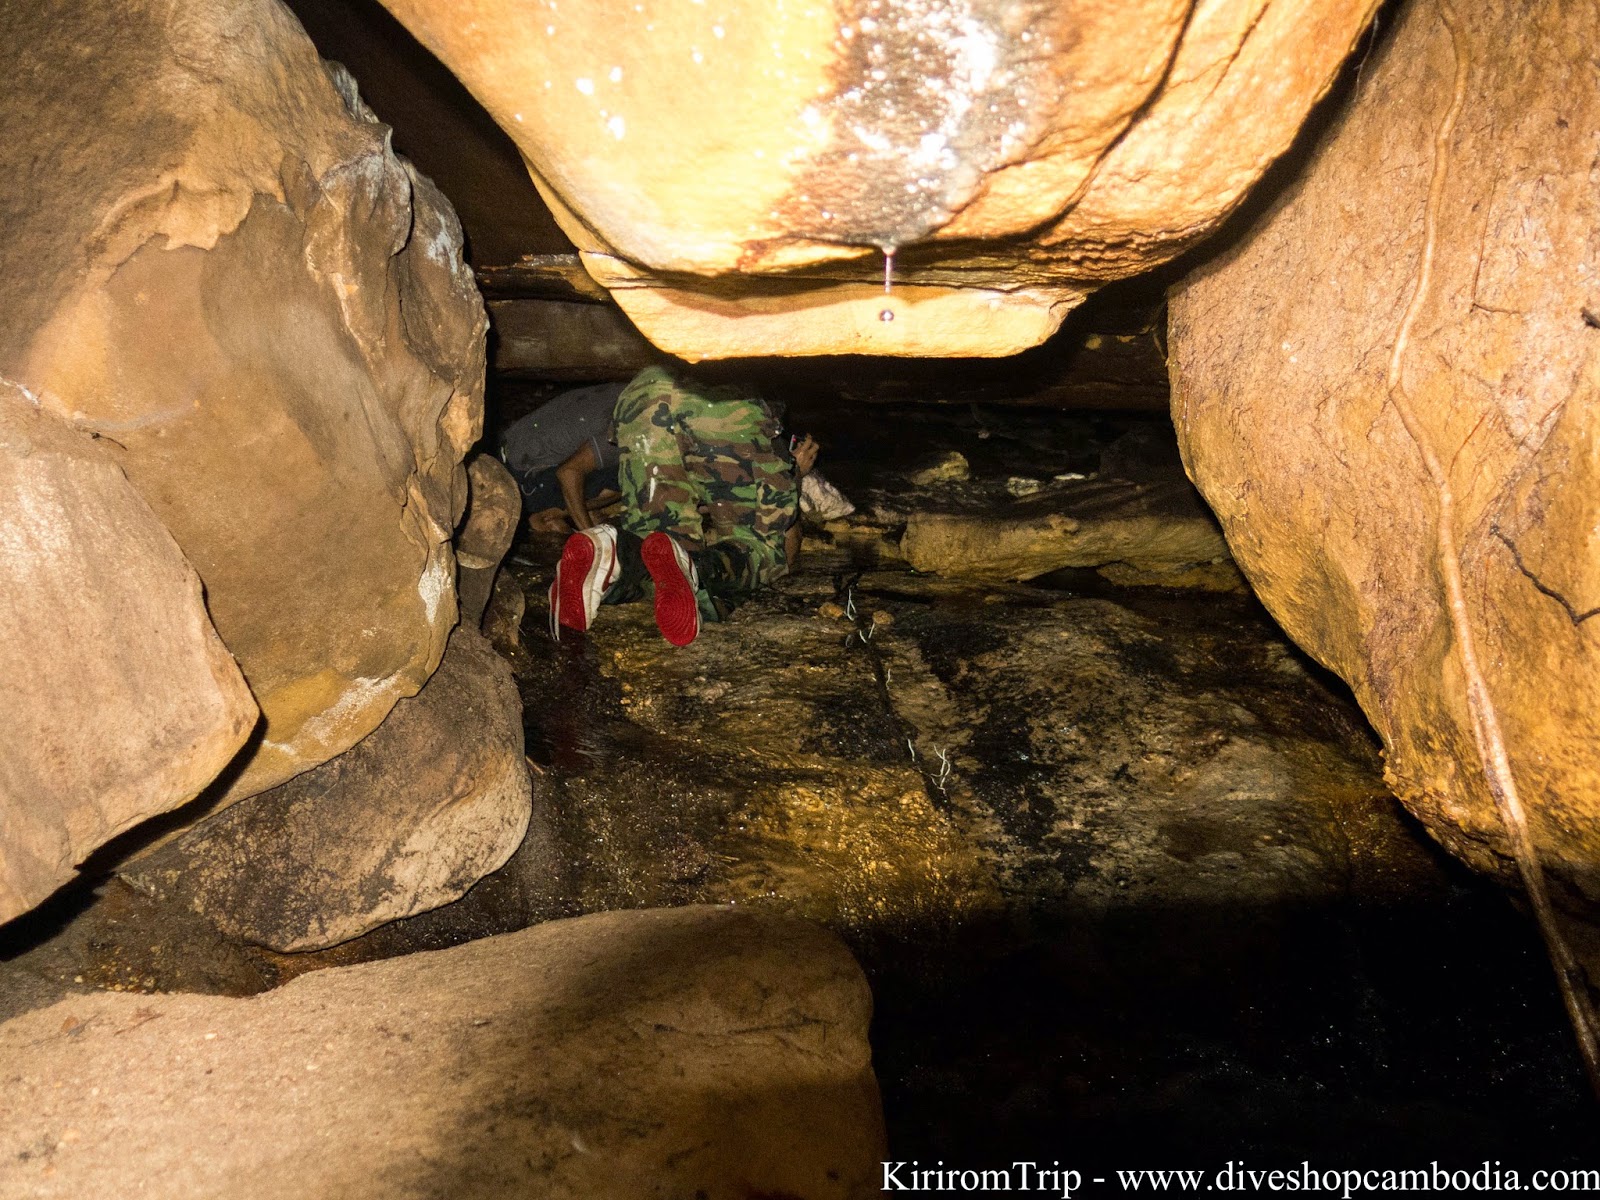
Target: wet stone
x=996 y=494
x=1118 y=861
x=956 y=753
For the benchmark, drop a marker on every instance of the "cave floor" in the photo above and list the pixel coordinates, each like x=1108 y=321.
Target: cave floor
x=1118 y=861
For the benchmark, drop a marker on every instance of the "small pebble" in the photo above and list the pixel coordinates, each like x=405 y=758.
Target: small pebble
x=881 y=618
x=830 y=610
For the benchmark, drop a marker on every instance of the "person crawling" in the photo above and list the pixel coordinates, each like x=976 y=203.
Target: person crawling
x=564 y=457
x=710 y=507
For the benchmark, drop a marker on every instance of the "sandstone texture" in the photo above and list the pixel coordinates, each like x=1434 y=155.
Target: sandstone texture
x=958 y=754
x=119 y=700
x=494 y=509
x=900 y=755
x=1388 y=393
x=1160 y=896
x=1030 y=497
x=1159 y=529
x=221 y=271
x=408 y=819
x=735 y=172
x=692 y=1052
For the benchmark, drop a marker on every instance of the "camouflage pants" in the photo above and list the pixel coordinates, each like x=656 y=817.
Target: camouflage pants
x=701 y=464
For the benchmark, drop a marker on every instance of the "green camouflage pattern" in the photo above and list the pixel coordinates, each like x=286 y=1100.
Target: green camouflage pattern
x=701 y=463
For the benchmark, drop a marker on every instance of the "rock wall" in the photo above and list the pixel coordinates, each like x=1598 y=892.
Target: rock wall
x=119 y=700
x=1388 y=393
x=228 y=289
x=734 y=172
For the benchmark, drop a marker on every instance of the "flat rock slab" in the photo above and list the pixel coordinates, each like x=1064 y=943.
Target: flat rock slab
x=692 y=1052
x=1002 y=495
x=959 y=754
x=1157 y=528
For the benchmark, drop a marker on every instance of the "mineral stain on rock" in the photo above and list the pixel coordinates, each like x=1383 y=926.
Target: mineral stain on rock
x=927 y=97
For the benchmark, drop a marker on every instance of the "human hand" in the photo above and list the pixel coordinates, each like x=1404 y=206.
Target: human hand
x=549 y=520
x=805 y=455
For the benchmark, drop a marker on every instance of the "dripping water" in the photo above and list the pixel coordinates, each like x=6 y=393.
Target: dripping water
x=888 y=279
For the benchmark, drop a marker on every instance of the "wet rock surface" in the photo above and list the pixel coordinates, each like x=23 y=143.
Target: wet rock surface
x=1121 y=865
x=1119 y=861
x=701 y=1052
x=406 y=820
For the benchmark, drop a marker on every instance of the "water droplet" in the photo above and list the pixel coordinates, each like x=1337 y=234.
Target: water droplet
x=888 y=271
x=886 y=315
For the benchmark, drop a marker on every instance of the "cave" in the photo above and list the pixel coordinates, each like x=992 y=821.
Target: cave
x=1168 y=748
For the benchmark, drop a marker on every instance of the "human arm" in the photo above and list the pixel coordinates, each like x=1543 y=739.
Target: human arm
x=570 y=475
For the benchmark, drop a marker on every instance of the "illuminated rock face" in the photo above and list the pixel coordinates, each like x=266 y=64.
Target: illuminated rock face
x=735 y=170
x=223 y=279
x=119 y=699
x=1360 y=487
x=705 y=1050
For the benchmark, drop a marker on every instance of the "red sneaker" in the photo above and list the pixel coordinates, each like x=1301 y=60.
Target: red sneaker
x=586 y=572
x=677 y=607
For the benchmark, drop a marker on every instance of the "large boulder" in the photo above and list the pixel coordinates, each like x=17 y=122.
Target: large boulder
x=688 y=1052
x=1028 y=152
x=218 y=267
x=119 y=699
x=1389 y=392
x=408 y=819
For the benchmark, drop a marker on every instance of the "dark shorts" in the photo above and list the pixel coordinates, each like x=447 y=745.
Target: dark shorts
x=542 y=490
